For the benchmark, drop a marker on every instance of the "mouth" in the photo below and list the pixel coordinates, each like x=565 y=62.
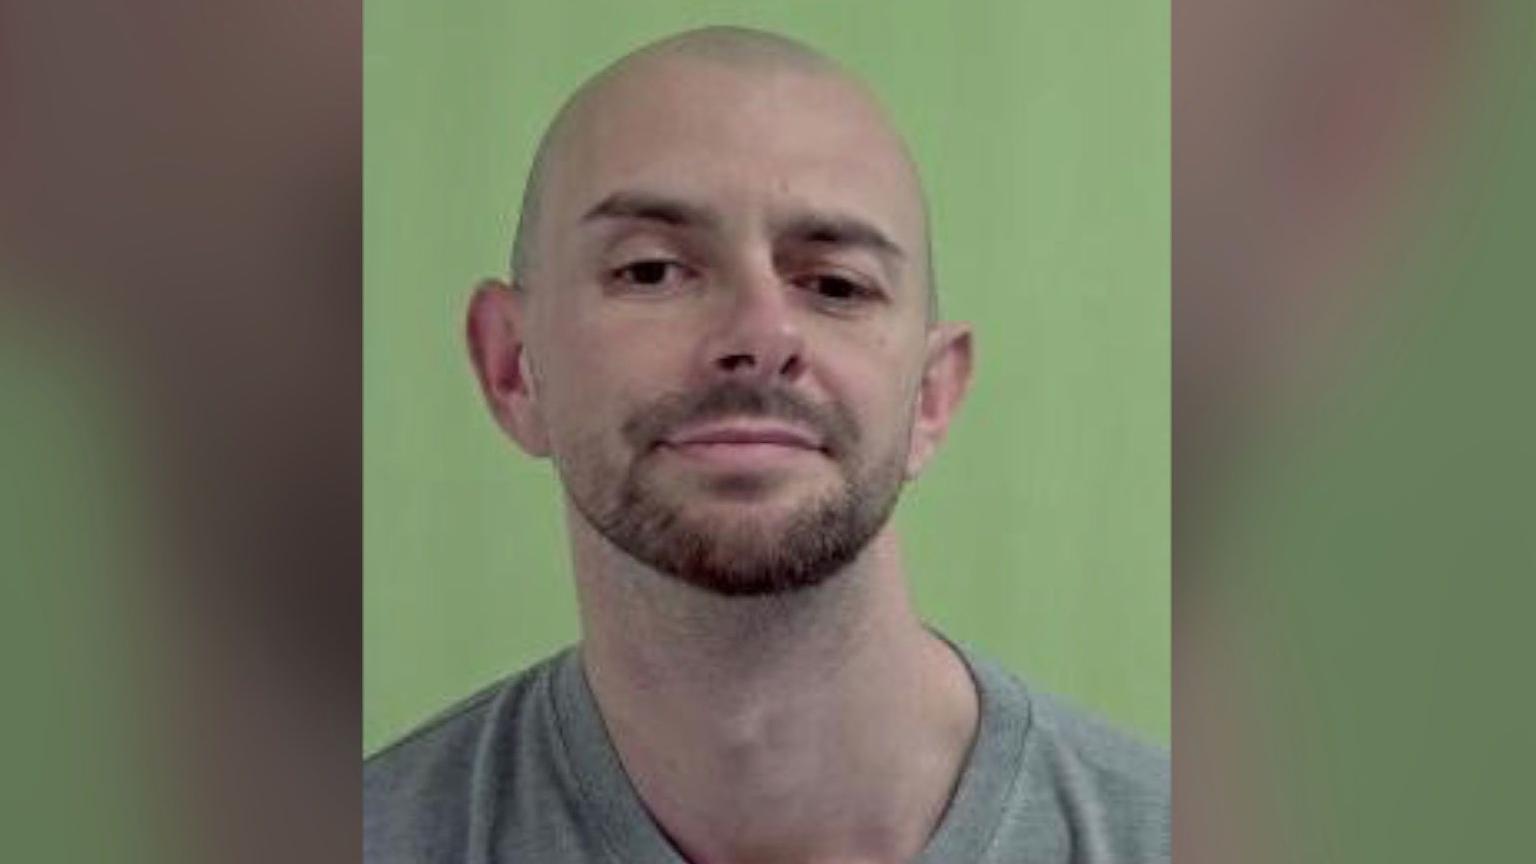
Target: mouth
x=745 y=444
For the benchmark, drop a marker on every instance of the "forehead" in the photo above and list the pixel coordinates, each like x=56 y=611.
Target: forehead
x=742 y=139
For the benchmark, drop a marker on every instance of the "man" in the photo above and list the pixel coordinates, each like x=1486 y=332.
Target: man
x=721 y=328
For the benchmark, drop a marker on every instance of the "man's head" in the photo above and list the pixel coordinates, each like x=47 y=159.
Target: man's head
x=721 y=321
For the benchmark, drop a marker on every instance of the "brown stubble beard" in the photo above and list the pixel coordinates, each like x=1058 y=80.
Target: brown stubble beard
x=720 y=555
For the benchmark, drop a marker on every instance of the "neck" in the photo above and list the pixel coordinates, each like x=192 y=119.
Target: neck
x=823 y=725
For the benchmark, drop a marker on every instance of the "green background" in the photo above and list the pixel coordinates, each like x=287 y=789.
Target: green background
x=1040 y=535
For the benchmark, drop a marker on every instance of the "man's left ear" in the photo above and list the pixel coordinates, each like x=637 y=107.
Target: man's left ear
x=946 y=377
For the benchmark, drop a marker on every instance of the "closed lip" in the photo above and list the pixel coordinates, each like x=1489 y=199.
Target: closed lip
x=746 y=433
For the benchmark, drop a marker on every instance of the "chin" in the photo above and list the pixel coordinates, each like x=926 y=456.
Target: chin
x=753 y=551
x=744 y=534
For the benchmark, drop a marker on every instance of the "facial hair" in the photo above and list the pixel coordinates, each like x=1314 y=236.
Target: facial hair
x=735 y=557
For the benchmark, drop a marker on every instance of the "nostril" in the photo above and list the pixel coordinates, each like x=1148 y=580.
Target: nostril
x=732 y=362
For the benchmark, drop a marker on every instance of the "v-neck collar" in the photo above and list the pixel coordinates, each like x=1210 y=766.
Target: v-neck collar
x=631 y=835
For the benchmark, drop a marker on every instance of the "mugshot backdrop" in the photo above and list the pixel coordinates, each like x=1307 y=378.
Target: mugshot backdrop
x=1040 y=535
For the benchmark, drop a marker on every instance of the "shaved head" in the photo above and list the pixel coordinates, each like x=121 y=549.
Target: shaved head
x=731 y=50
x=722 y=228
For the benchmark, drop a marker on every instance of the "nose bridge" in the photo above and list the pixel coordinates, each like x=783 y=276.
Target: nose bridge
x=757 y=334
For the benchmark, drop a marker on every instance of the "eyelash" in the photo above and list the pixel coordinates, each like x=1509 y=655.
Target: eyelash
x=854 y=291
x=624 y=275
x=857 y=291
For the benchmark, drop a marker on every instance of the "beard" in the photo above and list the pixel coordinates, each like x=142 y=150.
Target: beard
x=744 y=555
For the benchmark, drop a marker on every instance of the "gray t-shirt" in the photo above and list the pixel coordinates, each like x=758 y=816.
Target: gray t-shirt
x=524 y=772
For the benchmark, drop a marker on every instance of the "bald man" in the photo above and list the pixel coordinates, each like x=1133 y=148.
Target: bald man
x=721 y=328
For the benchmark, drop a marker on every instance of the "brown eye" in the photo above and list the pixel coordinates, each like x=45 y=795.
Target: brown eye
x=649 y=273
x=836 y=289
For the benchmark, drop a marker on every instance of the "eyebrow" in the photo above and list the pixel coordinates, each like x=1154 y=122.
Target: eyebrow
x=806 y=226
x=838 y=230
x=649 y=207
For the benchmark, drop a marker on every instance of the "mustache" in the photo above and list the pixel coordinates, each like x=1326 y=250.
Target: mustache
x=652 y=424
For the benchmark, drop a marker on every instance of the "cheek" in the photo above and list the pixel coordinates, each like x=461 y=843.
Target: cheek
x=876 y=380
x=598 y=374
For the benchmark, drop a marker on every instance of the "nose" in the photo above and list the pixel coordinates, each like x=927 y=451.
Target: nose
x=758 y=337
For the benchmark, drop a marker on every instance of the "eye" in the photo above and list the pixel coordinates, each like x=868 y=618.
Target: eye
x=837 y=289
x=649 y=274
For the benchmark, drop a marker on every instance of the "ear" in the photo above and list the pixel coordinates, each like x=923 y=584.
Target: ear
x=495 y=330
x=946 y=377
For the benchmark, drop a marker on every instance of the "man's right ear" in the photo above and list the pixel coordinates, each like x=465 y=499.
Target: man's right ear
x=494 y=329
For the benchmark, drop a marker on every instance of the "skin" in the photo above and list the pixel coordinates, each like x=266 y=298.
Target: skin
x=819 y=723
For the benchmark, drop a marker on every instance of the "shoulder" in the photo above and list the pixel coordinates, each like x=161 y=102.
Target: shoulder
x=1114 y=760
x=1081 y=789
x=1067 y=738
x=1112 y=787
x=420 y=793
